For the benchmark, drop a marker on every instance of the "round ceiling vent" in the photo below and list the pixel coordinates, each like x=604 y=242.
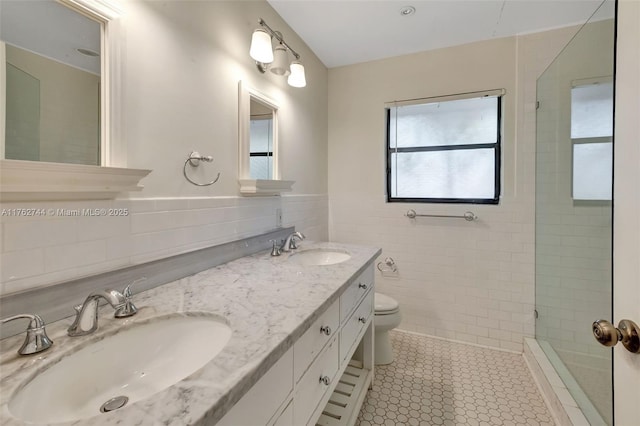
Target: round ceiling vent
x=407 y=11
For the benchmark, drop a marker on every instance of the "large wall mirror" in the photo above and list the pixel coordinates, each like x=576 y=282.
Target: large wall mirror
x=57 y=102
x=259 y=170
x=52 y=71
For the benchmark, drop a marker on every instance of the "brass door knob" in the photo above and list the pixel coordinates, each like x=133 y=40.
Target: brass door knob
x=627 y=332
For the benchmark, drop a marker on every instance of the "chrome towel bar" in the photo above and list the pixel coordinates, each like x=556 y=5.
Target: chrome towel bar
x=468 y=216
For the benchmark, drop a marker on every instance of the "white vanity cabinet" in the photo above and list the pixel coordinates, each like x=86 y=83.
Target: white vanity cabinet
x=262 y=404
x=319 y=380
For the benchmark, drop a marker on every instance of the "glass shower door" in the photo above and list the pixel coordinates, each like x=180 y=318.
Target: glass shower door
x=574 y=213
x=22 y=133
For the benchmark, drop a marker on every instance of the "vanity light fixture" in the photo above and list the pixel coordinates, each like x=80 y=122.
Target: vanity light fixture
x=276 y=60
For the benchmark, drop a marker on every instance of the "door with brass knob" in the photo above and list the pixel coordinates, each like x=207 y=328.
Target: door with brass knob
x=627 y=332
x=587 y=252
x=626 y=229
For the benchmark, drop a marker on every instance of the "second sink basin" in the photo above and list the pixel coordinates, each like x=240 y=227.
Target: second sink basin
x=321 y=256
x=121 y=369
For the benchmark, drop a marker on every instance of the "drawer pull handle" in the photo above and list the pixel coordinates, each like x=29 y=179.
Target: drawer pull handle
x=326 y=330
x=363 y=286
x=325 y=380
x=362 y=319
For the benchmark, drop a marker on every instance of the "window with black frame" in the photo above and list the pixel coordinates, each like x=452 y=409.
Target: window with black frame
x=445 y=150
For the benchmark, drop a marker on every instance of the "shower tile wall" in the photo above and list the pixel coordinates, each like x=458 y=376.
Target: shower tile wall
x=61 y=245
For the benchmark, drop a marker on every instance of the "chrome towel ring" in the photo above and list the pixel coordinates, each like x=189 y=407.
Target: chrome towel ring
x=194 y=161
x=390 y=265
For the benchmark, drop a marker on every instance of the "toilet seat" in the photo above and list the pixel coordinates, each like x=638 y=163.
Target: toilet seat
x=385 y=305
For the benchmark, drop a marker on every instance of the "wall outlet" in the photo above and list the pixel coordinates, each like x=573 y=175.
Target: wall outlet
x=278 y=218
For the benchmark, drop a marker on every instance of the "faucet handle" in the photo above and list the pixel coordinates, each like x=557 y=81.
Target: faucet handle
x=36 y=339
x=136 y=281
x=128 y=309
x=275 y=250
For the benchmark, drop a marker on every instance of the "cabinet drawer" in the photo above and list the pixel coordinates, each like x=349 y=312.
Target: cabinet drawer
x=314 y=339
x=262 y=401
x=310 y=390
x=355 y=325
x=354 y=293
x=286 y=418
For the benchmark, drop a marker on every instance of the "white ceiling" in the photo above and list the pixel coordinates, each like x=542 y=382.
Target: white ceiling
x=347 y=32
x=52 y=30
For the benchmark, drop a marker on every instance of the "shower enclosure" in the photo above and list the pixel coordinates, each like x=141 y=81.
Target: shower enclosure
x=574 y=212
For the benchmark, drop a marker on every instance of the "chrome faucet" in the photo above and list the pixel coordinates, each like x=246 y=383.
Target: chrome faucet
x=290 y=242
x=86 y=321
x=36 y=339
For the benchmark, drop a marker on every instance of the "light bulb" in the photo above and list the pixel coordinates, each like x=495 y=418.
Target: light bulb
x=261 y=49
x=280 y=64
x=297 y=78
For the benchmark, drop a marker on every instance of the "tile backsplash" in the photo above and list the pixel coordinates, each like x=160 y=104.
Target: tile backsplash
x=45 y=243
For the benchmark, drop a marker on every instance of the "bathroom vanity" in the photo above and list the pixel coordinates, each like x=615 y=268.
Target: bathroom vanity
x=300 y=351
x=300 y=387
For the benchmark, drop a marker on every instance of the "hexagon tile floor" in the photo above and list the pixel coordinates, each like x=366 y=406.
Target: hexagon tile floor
x=437 y=382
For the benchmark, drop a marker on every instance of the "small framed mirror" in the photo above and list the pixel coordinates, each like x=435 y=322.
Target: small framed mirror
x=259 y=172
x=263 y=125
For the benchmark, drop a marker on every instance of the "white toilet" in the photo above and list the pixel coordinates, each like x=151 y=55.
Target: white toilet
x=387 y=317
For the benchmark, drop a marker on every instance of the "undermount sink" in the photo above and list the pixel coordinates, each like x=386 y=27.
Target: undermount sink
x=321 y=256
x=121 y=369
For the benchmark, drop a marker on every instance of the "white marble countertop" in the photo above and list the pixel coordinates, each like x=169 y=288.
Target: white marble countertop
x=268 y=302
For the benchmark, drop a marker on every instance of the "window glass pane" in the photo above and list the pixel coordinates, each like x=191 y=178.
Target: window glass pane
x=466 y=173
x=592 y=110
x=592 y=171
x=261 y=167
x=464 y=121
x=260 y=137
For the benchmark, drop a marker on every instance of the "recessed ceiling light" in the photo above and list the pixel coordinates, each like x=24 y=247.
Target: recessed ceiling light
x=407 y=10
x=87 y=52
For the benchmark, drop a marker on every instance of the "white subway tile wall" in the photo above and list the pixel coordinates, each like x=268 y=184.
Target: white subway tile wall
x=61 y=241
x=467 y=281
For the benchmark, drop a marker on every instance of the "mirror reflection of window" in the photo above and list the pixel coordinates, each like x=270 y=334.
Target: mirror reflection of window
x=261 y=141
x=52 y=74
x=591 y=137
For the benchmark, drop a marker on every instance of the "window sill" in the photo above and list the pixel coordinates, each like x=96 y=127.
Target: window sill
x=40 y=181
x=258 y=187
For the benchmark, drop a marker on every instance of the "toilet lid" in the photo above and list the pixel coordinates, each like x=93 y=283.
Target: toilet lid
x=384 y=303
